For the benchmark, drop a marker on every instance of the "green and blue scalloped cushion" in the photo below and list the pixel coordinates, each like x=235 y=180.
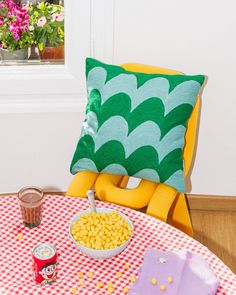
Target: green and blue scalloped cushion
x=135 y=123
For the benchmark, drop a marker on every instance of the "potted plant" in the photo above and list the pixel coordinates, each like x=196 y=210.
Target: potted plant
x=47 y=25
x=14 y=35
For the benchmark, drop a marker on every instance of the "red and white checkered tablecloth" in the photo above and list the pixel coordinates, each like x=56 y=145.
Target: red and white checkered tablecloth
x=16 y=260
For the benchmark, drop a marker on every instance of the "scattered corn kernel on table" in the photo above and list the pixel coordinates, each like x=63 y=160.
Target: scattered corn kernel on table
x=78 y=274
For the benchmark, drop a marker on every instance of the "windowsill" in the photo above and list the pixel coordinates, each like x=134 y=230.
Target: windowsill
x=32 y=62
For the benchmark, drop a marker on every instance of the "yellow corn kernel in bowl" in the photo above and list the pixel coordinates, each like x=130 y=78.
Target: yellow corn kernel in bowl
x=101 y=235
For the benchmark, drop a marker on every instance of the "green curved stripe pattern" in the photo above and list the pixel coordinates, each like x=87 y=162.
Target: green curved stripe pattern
x=135 y=123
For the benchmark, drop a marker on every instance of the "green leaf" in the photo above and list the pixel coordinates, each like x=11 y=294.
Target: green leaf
x=40 y=46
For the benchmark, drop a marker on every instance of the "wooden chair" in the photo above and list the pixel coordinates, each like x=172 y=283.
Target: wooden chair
x=162 y=201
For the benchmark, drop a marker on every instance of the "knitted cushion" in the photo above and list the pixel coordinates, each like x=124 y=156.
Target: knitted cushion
x=135 y=123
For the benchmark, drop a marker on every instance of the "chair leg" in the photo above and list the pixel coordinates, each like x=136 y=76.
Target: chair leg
x=161 y=202
x=81 y=183
x=179 y=215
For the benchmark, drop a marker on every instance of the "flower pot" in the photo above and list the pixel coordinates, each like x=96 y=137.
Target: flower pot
x=53 y=52
x=33 y=53
x=20 y=54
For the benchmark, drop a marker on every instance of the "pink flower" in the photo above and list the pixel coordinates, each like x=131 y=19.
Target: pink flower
x=61 y=17
x=25 y=6
x=16 y=36
x=25 y=23
x=54 y=16
x=58 y=17
x=1 y=21
x=24 y=28
x=11 y=27
x=41 y=21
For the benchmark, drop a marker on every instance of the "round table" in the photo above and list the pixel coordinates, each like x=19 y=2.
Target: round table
x=16 y=259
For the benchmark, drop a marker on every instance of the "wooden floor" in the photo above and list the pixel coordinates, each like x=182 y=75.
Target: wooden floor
x=214 y=223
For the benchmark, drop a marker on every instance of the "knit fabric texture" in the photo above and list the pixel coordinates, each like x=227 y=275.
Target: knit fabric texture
x=135 y=123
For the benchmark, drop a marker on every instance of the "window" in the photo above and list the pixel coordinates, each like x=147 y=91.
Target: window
x=60 y=85
x=31 y=32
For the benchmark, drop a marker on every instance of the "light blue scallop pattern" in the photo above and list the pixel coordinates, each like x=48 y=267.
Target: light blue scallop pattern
x=148 y=133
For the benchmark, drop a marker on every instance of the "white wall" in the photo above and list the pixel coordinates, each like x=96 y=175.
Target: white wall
x=190 y=36
x=195 y=37
x=36 y=149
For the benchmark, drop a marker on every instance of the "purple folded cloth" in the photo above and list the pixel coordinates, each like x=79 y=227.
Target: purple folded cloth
x=169 y=273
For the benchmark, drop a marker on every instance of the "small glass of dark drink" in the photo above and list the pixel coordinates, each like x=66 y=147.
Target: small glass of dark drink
x=31 y=202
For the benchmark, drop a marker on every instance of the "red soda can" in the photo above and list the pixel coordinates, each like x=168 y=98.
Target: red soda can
x=44 y=264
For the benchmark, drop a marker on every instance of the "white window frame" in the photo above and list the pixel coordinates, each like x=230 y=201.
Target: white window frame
x=36 y=88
